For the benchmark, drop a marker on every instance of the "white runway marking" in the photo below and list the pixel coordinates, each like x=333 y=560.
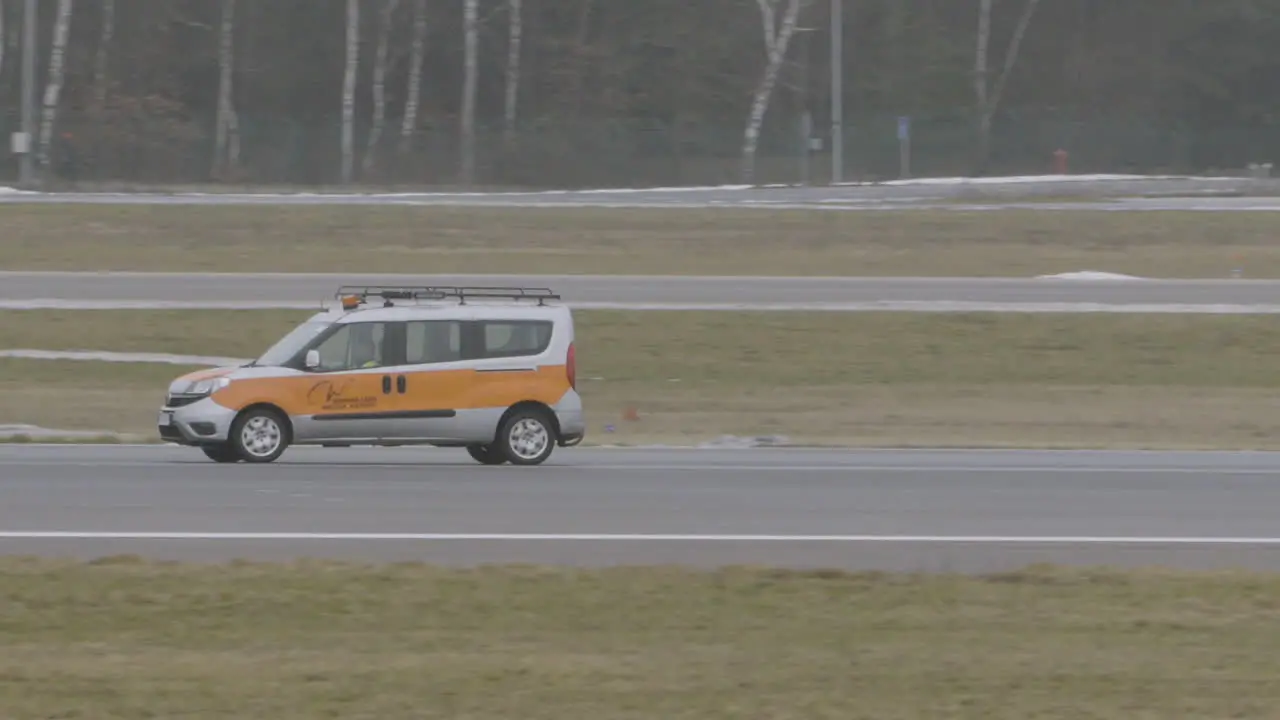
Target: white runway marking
x=590 y=537
x=121 y=357
x=1015 y=469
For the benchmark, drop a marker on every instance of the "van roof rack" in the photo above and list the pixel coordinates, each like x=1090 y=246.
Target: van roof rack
x=361 y=293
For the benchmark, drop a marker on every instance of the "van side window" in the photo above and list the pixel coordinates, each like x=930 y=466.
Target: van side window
x=515 y=338
x=432 y=341
x=353 y=346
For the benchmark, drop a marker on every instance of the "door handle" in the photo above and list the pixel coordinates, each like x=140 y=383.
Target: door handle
x=400 y=384
x=386 y=384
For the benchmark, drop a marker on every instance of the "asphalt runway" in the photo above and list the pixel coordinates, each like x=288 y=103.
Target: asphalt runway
x=1083 y=192
x=125 y=290
x=889 y=510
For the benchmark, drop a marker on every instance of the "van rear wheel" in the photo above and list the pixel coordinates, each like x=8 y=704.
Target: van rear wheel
x=487 y=454
x=527 y=437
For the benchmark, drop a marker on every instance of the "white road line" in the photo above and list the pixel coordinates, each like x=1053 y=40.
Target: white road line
x=592 y=537
x=1052 y=469
x=121 y=357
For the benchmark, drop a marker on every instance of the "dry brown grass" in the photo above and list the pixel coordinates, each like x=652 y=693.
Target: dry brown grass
x=125 y=640
x=850 y=379
x=665 y=241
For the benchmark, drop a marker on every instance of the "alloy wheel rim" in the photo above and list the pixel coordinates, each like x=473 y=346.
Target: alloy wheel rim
x=528 y=438
x=261 y=436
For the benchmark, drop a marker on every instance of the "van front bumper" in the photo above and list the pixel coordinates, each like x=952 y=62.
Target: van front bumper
x=203 y=422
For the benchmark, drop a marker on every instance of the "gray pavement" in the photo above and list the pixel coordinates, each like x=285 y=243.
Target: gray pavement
x=915 y=511
x=1121 y=193
x=123 y=290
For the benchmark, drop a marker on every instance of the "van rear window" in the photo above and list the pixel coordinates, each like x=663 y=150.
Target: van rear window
x=515 y=338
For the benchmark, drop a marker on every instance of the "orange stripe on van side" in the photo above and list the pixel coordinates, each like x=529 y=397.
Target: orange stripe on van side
x=294 y=395
x=546 y=385
x=466 y=389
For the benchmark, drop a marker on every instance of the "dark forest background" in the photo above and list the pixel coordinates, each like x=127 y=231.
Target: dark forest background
x=645 y=92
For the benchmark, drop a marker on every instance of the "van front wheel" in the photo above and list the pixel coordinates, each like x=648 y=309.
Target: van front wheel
x=259 y=435
x=526 y=438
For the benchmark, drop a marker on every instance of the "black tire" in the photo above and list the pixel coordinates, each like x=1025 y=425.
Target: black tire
x=487 y=454
x=527 y=437
x=221 y=453
x=259 y=435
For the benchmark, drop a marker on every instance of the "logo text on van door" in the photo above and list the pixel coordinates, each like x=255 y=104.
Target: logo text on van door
x=332 y=395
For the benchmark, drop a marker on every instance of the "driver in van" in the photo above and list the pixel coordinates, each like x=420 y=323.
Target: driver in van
x=364 y=351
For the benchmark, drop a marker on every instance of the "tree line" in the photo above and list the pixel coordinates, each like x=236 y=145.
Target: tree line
x=630 y=92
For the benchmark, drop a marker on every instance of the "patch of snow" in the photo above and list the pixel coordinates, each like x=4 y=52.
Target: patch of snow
x=1026 y=179
x=689 y=188
x=120 y=357
x=540 y=193
x=408 y=195
x=1089 y=275
x=734 y=442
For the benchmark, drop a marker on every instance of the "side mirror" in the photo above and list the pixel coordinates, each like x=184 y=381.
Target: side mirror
x=312 y=360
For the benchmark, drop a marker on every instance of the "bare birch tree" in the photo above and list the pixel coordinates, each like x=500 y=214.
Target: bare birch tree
x=57 y=72
x=226 y=121
x=10 y=44
x=410 y=120
x=515 y=29
x=104 y=45
x=4 y=39
x=467 y=121
x=988 y=98
x=380 y=84
x=776 y=39
x=233 y=140
x=349 y=89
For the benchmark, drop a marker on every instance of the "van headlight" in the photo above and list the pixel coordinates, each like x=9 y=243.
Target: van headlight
x=207 y=387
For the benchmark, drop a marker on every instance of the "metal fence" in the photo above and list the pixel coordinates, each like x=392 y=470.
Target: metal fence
x=144 y=145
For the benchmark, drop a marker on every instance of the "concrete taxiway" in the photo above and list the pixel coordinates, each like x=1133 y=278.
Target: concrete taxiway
x=890 y=510
x=1083 y=192
x=73 y=290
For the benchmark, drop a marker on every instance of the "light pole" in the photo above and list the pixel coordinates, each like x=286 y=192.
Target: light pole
x=837 y=91
x=27 y=167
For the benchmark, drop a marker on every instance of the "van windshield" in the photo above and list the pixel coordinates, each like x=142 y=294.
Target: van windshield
x=289 y=345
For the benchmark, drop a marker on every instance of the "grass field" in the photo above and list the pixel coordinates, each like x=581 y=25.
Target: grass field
x=994 y=380
x=126 y=640
x=636 y=241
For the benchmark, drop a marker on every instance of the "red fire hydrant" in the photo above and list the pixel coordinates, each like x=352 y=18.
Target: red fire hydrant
x=1060 y=161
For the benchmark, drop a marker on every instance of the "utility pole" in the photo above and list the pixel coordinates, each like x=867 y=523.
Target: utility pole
x=28 y=145
x=837 y=91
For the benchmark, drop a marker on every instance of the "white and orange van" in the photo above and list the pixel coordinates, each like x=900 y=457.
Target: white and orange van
x=488 y=369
